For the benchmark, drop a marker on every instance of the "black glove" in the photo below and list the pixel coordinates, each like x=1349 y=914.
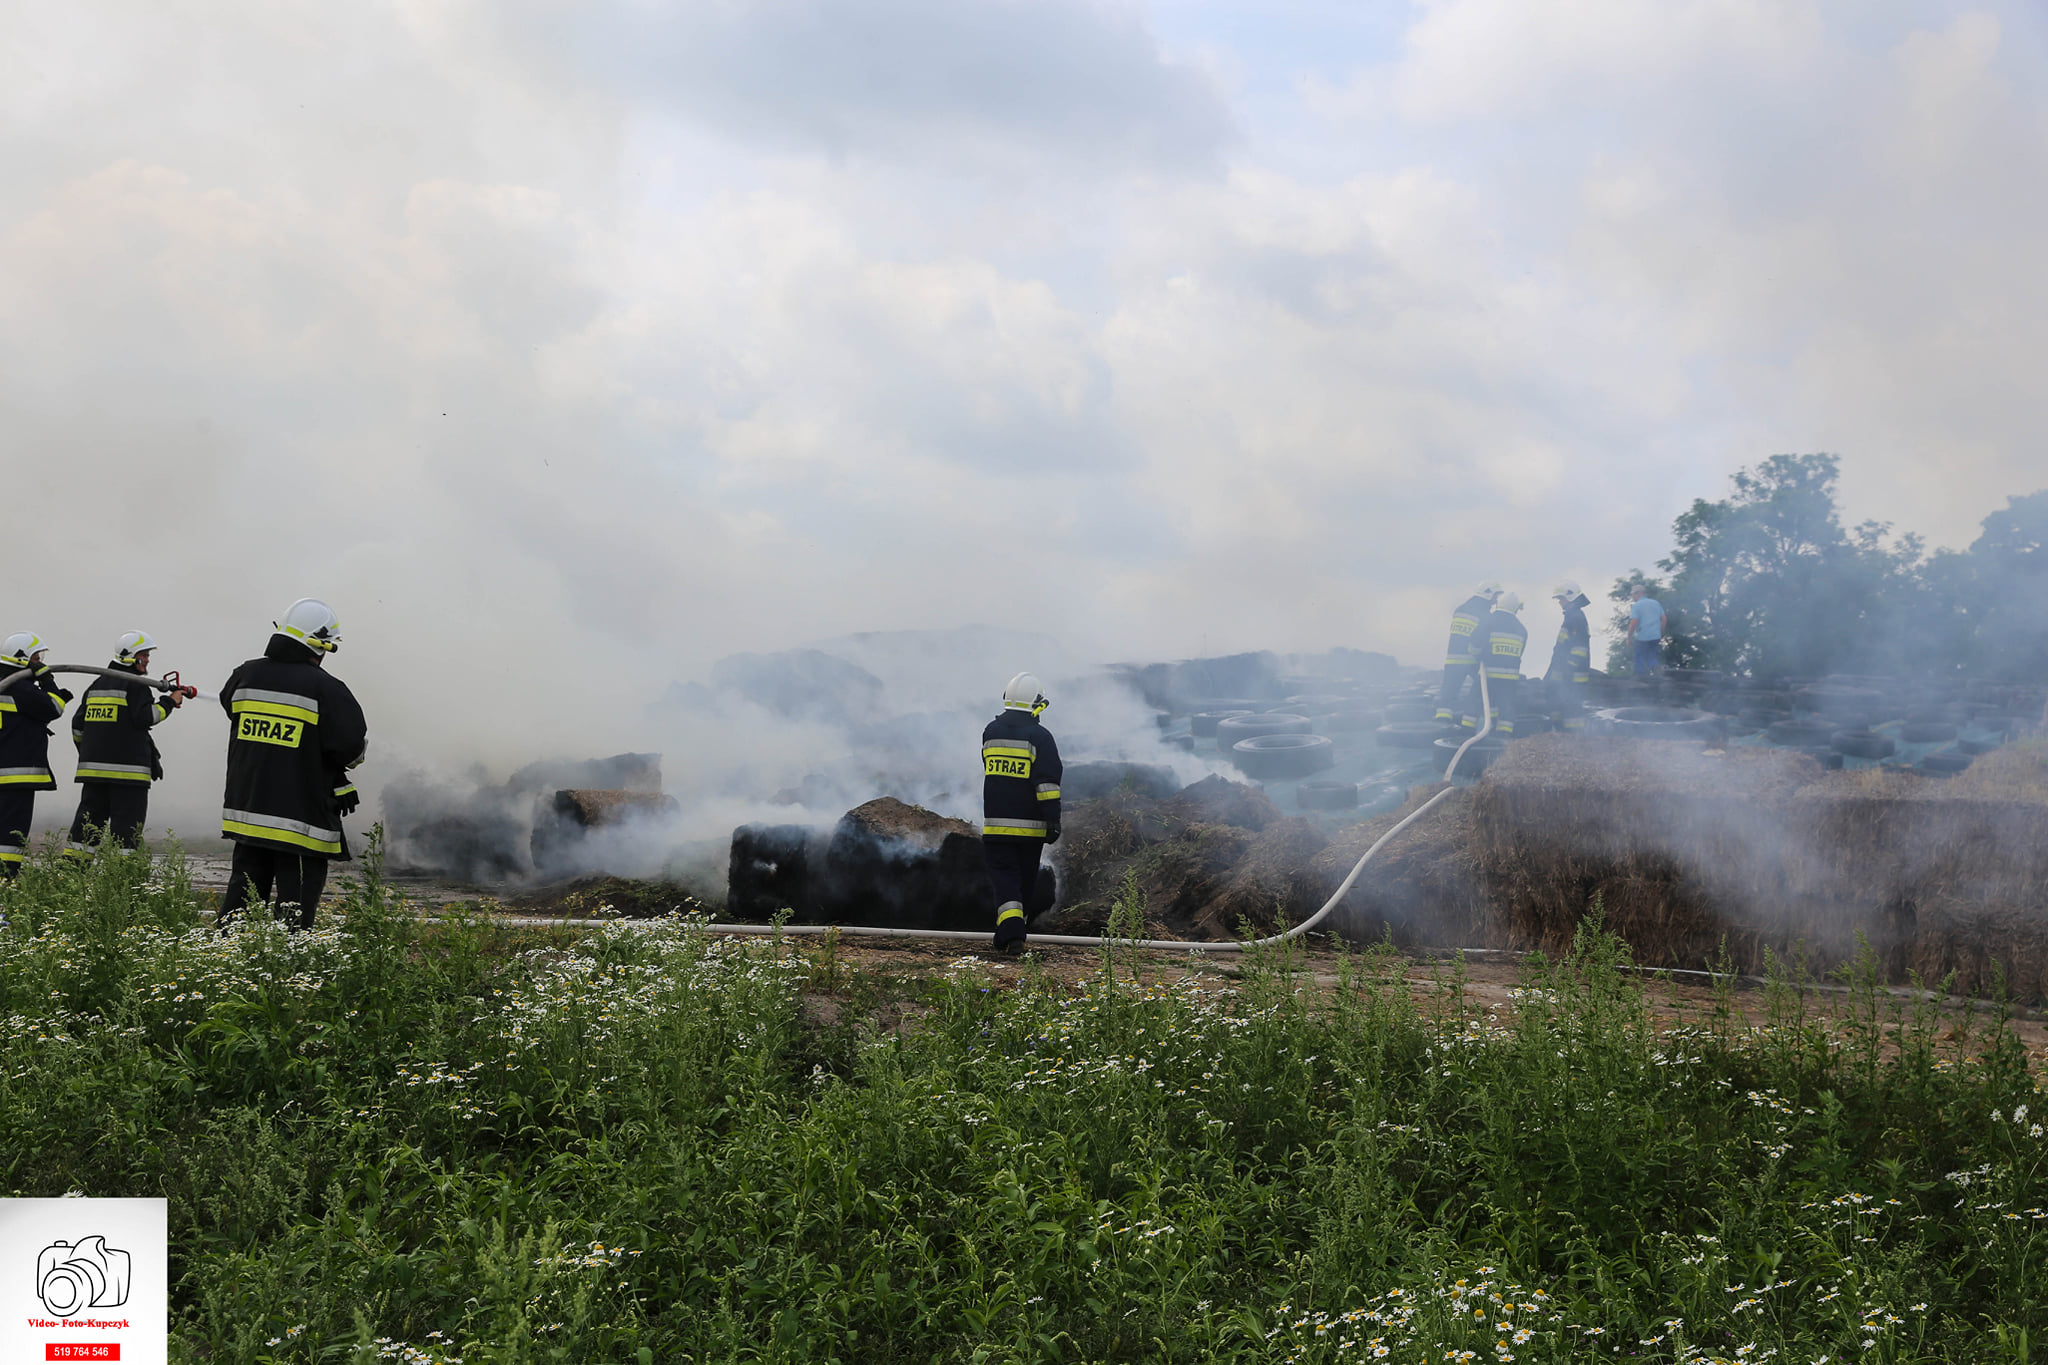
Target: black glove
x=1052 y=835
x=65 y=693
x=346 y=802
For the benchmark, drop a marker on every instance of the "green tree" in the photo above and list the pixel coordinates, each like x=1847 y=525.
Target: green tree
x=1768 y=581
x=1996 y=593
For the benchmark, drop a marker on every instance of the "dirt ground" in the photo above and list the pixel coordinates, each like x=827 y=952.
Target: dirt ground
x=1489 y=982
x=1490 y=976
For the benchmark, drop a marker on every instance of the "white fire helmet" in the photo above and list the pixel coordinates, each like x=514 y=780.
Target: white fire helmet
x=1566 y=589
x=312 y=623
x=1025 y=694
x=21 y=648
x=134 y=642
x=1490 y=587
x=1509 y=602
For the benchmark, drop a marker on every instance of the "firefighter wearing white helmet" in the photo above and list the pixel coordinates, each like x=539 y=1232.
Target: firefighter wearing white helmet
x=1502 y=645
x=1020 y=805
x=1571 y=659
x=1461 y=658
x=294 y=731
x=30 y=703
x=117 y=754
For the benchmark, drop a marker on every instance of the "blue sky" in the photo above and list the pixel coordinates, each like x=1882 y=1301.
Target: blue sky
x=650 y=331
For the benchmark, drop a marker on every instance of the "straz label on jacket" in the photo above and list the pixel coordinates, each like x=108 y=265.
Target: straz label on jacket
x=103 y=710
x=271 y=730
x=1000 y=765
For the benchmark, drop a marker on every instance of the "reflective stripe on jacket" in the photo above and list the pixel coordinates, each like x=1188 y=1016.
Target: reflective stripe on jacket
x=1505 y=638
x=1571 y=658
x=1020 y=777
x=293 y=732
x=111 y=729
x=26 y=710
x=1465 y=622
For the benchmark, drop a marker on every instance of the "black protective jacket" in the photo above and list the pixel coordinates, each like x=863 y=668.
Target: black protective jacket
x=294 y=732
x=1571 y=658
x=1020 y=783
x=1503 y=643
x=27 y=709
x=1465 y=624
x=111 y=729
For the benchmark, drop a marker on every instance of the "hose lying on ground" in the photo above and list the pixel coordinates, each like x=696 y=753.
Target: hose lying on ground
x=1171 y=944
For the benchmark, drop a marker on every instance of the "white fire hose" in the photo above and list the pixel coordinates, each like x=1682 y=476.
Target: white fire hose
x=1170 y=944
x=160 y=684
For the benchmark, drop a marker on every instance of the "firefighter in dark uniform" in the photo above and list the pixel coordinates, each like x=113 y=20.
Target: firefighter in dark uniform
x=294 y=731
x=29 y=705
x=117 y=756
x=1571 y=659
x=1020 y=803
x=1461 y=658
x=1501 y=650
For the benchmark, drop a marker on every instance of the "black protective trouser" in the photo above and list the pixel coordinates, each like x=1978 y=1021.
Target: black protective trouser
x=1568 y=703
x=1013 y=872
x=1456 y=678
x=17 y=813
x=111 y=808
x=298 y=879
x=1500 y=695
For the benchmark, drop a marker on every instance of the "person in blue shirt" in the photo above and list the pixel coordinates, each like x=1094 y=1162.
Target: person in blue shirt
x=1646 y=629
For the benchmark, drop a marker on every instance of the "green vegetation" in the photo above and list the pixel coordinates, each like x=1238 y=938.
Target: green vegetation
x=1769 y=582
x=395 y=1140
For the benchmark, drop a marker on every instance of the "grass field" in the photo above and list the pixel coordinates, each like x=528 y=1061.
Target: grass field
x=394 y=1140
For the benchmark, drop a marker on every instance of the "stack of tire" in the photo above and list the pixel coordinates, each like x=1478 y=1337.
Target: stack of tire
x=1274 y=745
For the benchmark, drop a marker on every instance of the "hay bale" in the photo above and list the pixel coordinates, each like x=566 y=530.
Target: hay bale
x=1760 y=849
x=1272 y=883
x=1940 y=879
x=1681 y=846
x=1425 y=887
x=1219 y=801
x=1177 y=877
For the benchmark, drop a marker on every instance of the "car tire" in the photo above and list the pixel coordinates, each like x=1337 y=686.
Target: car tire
x=1863 y=744
x=1204 y=723
x=1945 y=764
x=1282 y=755
x=1927 y=732
x=1477 y=759
x=1326 y=794
x=1658 y=722
x=1409 y=734
x=1229 y=732
x=1799 y=734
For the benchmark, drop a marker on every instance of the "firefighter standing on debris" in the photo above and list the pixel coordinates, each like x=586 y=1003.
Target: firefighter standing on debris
x=1500 y=654
x=117 y=756
x=1461 y=658
x=1571 y=658
x=1020 y=803
x=294 y=731
x=28 y=707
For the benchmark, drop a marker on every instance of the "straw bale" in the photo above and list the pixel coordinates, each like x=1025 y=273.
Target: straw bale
x=1680 y=846
x=1760 y=849
x=1176 y=877
x=1273 y=882
x=1219 y=801
x=1425 y=887
x=1939 y=877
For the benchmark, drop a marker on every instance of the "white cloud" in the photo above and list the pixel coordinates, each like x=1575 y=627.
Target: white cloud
x=725 y=327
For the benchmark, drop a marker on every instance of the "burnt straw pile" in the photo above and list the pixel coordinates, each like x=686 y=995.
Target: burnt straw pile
x=1763 y=850
x=1697 y=856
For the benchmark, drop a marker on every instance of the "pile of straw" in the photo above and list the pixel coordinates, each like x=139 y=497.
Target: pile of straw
x=1755 y=849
